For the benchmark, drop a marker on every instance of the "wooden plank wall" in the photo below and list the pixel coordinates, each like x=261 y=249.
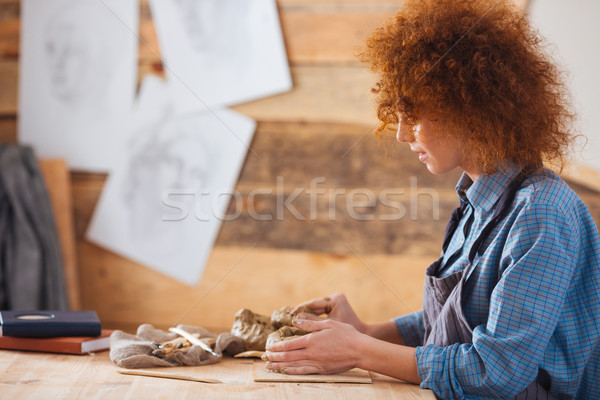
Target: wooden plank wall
x=320 y=129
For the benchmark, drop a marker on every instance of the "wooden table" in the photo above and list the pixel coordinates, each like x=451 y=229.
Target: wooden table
x=25 y=375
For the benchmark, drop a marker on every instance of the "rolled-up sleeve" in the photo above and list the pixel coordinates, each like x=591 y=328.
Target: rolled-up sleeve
x=535 y=270
x=410 y=328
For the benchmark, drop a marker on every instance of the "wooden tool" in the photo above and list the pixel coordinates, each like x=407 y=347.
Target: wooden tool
x=250 y=354
x=156 y=374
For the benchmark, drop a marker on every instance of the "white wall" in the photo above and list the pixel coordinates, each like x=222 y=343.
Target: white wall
x=574 y=29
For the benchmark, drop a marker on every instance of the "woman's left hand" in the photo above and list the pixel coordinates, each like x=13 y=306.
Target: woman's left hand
x=331 y=347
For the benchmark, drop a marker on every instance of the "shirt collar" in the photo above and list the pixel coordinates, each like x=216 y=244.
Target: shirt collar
x=487 y=189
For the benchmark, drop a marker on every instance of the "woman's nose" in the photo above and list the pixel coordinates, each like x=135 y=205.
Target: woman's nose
x=403 y=135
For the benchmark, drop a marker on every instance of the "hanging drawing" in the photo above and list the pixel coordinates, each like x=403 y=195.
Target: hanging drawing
x=164 y=203
x=221 y=52
x=78 y=78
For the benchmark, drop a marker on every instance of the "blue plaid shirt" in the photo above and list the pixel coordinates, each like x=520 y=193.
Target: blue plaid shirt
x=533 y=298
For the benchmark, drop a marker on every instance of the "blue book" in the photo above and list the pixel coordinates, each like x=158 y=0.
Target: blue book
x=39 y=324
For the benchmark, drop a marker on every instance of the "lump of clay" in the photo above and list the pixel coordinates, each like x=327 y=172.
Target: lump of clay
x=284 y=316
x=252 y=328
x=285 y=333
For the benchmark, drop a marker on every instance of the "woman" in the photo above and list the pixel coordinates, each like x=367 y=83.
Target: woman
x=512 y=307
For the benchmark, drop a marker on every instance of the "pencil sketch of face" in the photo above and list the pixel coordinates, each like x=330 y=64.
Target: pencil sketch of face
x=214 y=26
x=67 y=54
x=79 y=49
x=170 y=158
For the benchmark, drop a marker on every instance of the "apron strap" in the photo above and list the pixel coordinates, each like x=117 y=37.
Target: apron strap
x=499 y=213
x=453 y=224
x=543 y=378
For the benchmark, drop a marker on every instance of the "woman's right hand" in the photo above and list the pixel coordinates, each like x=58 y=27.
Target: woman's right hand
x=337 y=308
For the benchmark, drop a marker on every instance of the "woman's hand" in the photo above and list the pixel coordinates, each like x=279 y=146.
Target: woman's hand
x=331 y=347
x=336 y=307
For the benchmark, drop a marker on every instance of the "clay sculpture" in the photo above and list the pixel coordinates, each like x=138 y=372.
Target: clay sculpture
x=254 y=329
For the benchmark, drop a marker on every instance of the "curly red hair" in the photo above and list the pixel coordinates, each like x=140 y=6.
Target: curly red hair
x=481 y=69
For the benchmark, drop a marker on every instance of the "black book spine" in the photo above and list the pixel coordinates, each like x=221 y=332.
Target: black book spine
x=34 y=329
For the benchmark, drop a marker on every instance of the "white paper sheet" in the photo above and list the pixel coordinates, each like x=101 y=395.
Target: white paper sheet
x=78 y=78
x=164 y=204
x=221 y=52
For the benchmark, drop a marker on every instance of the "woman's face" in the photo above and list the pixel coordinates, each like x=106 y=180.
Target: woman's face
x=439 y=152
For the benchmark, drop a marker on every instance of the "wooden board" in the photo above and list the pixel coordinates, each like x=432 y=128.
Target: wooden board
x=58 y=184
x=9 y=78
x=321 y=93
x=8 y=129
x=355 y=375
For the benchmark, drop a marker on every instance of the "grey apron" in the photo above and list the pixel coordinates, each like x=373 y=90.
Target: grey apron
x=443 y=318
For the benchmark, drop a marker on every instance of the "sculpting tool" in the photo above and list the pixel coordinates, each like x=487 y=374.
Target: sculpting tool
x=193 y=340
x=156 y=374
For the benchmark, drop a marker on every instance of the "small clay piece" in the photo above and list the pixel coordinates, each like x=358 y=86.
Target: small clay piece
x=285 y=333
x=252 y=328
x=250 y=354
x=171 y=346
x=284 y=316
